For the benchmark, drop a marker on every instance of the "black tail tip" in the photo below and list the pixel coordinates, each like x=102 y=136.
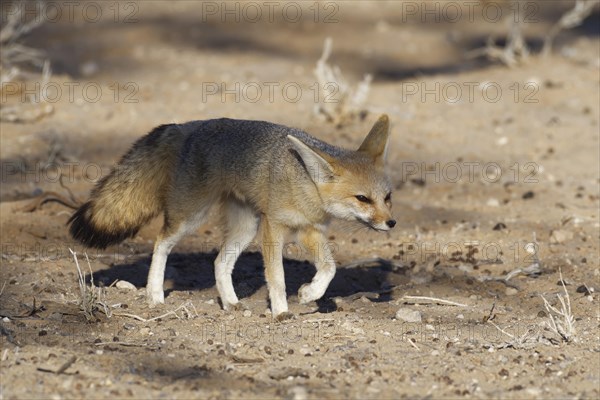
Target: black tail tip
x=84 y=231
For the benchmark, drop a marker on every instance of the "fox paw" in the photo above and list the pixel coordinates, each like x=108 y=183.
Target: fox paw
x=155 y=297
x=305 y=294
x=284 y=316
x=239 y=306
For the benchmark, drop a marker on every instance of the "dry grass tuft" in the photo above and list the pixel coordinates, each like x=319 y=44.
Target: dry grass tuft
x=571 y=19
x=90 y=296
x=339 y=102
x=561 y=320
x=516 y=51
x=14 y=57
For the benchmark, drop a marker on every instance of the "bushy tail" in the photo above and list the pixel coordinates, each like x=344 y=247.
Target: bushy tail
x=132 y=194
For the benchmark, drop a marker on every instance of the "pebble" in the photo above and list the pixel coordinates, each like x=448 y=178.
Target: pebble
x=354 y=329
x=125 y=285
x=465 y=268
x=305 y=351
x=511 y=291
x=298 y=393
x=89 y=68
x=493 y=203
x=560 y=236
x=145 y=331
x=247 y=313
x=408 y=315
x=128 y=326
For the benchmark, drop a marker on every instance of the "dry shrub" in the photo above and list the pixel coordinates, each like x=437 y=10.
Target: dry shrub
x=339 y=102
x=20 y=63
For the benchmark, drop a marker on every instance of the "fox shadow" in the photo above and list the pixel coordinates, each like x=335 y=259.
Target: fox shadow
x=195 y=271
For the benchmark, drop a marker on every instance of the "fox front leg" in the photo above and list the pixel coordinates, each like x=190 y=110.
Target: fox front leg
x=314 y=240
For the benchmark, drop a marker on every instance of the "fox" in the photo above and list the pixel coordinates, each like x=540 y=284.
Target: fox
x=267 y=179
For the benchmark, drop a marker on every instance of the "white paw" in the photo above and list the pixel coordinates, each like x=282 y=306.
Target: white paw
x=237 y=306
x=283 y=316
x=155 y=297
x=306 y=294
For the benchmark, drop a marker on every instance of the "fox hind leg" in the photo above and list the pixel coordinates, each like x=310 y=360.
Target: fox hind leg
x=240 y=225
x=170 y=234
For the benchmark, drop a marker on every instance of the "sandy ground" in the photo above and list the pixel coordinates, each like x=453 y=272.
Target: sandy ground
x=483 y=158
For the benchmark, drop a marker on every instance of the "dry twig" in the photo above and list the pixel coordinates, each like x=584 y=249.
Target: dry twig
x=430 y=300
x=186 y=314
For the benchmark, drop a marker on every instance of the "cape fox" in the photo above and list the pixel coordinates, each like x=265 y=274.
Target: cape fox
x=261 y=175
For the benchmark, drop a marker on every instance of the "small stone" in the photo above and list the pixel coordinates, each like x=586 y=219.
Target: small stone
x=145 y=331
x=511 y=291
x=528 y=195
x=560 y=236
x=89 y=68
x=351 y=328
x=585 y=290
x=210 y=301
x=247 y=313
x=408 y=315
x=125 y=285
x=493 y=203
x=465 y=268
x=298 y=393
x=499 y=226
x=305 y=351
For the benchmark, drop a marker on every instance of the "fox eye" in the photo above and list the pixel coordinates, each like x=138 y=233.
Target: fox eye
x=388 y=197
x=363 y=199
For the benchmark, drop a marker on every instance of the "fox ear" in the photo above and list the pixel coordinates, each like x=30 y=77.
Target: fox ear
x=318 y=167
x=375 y=144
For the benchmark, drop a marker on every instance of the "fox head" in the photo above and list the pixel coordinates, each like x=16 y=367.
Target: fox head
x=353 y=186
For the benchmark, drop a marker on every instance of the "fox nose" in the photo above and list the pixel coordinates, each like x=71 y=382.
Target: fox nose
x=391 y=223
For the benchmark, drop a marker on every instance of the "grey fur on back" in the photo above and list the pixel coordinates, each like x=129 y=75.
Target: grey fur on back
x=244 y=157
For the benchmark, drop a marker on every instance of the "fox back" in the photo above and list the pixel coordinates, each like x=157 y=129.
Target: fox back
x=286 y=172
